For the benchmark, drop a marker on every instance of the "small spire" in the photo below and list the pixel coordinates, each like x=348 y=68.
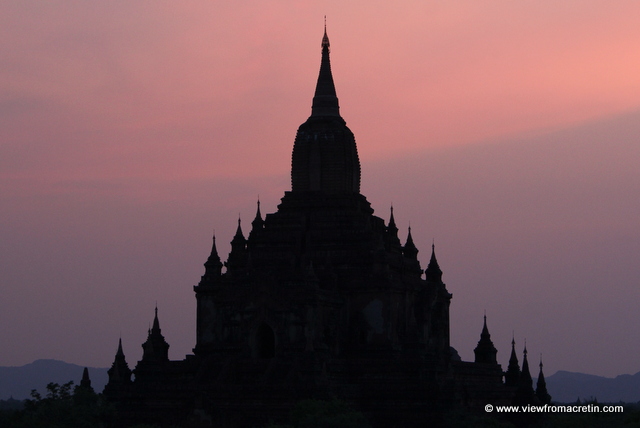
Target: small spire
x=119 y=373
x=392 y=228
x=238 y=242
x=524 y=393
x=256 y=225
x=257 y=222
x=525 y=364
x=156 y=347
x=541 y=387
x=392 y=242
x=512 y=374
x=85 y=382
x=239 y=233
x=238 y=256
x=433 y=272
x=214 y=258
x=410 y=250
x=213 y=266
x=485 y=351
x=120 y=352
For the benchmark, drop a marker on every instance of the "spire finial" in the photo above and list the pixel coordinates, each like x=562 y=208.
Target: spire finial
x=325 y=38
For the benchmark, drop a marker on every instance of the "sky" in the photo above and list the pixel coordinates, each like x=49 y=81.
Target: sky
x=505 y=132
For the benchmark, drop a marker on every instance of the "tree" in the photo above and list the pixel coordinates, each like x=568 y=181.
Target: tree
x=63 y=406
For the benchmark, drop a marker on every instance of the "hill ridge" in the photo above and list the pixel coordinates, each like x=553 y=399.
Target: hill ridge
x=18 y=381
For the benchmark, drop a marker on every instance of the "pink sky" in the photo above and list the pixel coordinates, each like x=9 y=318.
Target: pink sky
x=506 y=131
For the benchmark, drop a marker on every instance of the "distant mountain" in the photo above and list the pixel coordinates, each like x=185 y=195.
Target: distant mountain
x=17 y=382
x=567 y=387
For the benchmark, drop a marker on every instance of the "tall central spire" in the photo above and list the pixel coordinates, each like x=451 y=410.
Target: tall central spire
x=325 y=157
x=325 y=101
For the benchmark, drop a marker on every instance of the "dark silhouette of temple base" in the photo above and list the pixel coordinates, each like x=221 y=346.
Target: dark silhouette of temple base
x=321 y=301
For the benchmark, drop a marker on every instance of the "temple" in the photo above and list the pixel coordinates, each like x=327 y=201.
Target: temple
x=320 y=300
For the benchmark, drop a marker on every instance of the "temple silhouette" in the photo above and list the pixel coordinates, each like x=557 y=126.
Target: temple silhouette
x=320 y=300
